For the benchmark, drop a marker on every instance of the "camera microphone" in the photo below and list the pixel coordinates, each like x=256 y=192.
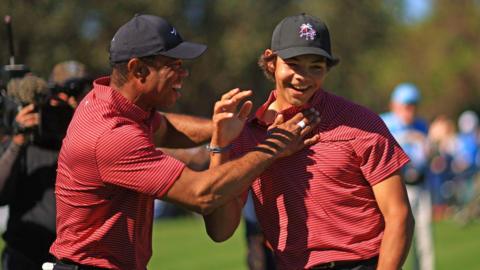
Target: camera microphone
x=29 y=89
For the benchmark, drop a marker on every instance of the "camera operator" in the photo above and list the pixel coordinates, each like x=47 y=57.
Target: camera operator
x=29 y=170
x=28 y=118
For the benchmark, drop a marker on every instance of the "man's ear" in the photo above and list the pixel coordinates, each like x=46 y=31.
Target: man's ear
x=138 y=69
x=270 y=64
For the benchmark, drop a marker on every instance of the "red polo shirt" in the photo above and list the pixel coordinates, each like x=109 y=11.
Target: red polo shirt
x=109 y=173
x=317 y=205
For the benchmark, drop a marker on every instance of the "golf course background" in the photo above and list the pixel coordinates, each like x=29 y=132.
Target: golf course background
x=182 y=243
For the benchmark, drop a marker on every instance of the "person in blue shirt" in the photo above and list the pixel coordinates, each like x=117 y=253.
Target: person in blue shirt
x=466 y=158
x=411 y=133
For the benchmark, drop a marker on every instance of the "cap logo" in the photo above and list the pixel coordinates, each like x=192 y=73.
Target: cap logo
x=307 y=31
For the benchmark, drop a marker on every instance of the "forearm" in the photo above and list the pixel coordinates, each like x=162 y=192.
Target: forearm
x=396 y=242
x=195 y=158
x=205 y=191
x=184 y=131
x=223 y=221
x=233 y=178
x=6 y=162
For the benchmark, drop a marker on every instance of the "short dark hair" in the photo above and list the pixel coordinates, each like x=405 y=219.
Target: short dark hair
x=120 y=70
x=263 y=61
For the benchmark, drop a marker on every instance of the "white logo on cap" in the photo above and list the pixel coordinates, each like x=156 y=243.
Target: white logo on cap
x=173 y=32
x=307 y=31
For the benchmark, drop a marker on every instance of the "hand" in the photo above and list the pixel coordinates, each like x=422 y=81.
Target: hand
x=27 y=118
x=63 y=97
x=288 y=137
x=19 y=139
x=227 y=120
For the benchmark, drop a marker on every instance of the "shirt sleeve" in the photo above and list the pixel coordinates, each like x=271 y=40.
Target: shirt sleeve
x=380 y=154
x=128 y=158
x=7 y=160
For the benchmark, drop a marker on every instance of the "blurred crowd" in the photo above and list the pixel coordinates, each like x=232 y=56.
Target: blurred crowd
x=454 y=162
x=441 y=177
x=444 y=153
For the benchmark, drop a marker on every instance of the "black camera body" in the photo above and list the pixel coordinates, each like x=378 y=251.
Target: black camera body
x=75 y=87
x=52 y=126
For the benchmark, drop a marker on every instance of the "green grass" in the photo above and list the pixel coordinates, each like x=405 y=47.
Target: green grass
x=458 y=247
x=182 y=243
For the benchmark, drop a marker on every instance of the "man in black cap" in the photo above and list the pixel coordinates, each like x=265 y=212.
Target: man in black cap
x=110 y=169
x=339 y=203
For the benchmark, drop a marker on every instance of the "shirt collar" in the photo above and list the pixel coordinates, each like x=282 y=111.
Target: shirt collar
x=104 y=91
x=288 y=113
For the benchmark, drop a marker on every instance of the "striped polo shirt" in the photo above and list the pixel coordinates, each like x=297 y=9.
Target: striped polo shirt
x=109 y=172
x=317 y=205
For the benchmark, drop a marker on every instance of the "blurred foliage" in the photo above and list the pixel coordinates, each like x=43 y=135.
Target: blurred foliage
x=378 y=49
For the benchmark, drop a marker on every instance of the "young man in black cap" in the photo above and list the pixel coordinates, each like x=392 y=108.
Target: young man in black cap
x=110 y=169
x=339 y=203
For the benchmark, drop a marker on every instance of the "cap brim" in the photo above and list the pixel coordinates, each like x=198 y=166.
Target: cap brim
x=185 y=50
x=296 y=51
x=406 y=100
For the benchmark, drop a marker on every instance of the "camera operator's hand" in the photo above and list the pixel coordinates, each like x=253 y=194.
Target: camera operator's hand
x=27 y=117
x=19 y=139
x=63 y=97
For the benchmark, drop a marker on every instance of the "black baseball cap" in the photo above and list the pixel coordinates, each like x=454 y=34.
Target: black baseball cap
x=302 y=34
x=146 y=35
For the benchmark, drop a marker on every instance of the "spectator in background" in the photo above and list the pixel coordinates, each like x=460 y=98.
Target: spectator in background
x=71 y=81
x=466 y=157
x=29 y=170
x=411 y=133
x=441 y=135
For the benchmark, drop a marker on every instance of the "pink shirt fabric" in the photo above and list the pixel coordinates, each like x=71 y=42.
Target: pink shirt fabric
x=109 y=173
x=317 y=205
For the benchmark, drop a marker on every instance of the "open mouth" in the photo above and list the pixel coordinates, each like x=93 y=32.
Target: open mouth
x=300 y=88
x=176 y=89
x=177 y=86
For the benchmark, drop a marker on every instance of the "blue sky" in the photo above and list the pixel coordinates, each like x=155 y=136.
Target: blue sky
x=416 y=10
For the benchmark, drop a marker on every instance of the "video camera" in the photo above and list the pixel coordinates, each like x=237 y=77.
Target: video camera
x=75 y=87
x=54 y=113
x=21 y=88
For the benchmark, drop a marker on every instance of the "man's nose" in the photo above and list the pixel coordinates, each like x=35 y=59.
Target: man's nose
x=302 y=75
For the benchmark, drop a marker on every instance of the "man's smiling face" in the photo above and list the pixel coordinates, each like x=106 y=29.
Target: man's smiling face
x=298 y=78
